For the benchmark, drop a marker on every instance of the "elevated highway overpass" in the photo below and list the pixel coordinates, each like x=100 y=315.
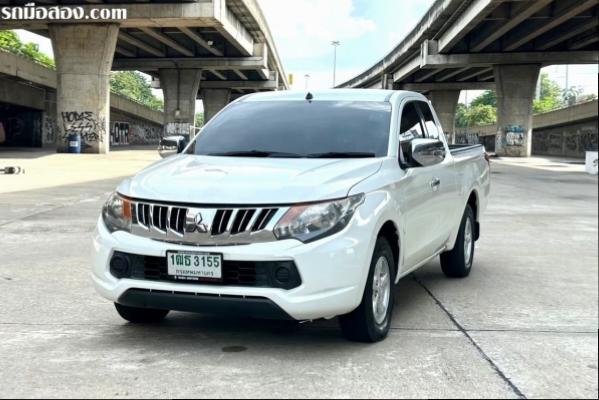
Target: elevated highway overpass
x=488 y=44
x=208 y=49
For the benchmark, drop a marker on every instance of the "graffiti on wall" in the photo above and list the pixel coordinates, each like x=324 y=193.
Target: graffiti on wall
x=178 y=128
x=467 y=138
x=85 y=124
x=571 y=141
x=514 y=135
x=50 y=130
x=120 y=133
x=131 y=133
x=145 y=134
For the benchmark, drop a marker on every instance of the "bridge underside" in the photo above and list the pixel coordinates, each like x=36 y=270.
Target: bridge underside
x=192 y=49
x=479 y=44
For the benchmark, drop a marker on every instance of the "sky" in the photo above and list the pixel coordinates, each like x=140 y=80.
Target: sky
x=367 y=30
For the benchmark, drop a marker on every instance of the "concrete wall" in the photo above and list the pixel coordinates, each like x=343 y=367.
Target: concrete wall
x=24 y=83
x=567 y=132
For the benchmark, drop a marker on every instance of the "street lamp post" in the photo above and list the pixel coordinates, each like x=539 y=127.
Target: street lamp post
x=335 y=44
x=307 y=78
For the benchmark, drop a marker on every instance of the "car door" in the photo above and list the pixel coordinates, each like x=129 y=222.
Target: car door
x=445 y=197
x=419 y=192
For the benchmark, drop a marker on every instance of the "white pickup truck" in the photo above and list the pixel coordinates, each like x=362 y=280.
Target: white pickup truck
x=298 y=206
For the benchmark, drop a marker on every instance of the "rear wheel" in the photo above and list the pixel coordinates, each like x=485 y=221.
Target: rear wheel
x=370 y=322
x=457 y=263
x=140 y=315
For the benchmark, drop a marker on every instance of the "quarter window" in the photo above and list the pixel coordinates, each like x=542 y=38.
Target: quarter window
x=429 y=121
x=410 y=128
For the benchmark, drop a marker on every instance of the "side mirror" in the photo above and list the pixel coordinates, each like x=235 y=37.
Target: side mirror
x=171 y=145
x=427 y=152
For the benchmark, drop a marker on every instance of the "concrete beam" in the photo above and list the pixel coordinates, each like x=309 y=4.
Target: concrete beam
x=124 y=52
x=573 y=29
x=21 y=94
x=218 y=74
x=228 y=25
x=585 y=41
x=427 y=87
x=451 y=74
x=141 y=45
x=213 y=63
x=240 y=85
x=162 y=38
x=407 y=69
x=201 y=41
x=521 y=12
x=468 y=20
x=525 y=34
x=426 y=74
x=475 y=74
x=488 y=59
x=23 y=68
x=240 y=74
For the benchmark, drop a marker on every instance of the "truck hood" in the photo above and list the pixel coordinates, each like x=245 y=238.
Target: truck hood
x=246 y=181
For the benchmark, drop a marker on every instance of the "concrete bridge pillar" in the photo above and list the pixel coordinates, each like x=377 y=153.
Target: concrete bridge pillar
x=180 y=88
x=515 y=93
x=84 y=54
x=214 y=100
x=445 y=103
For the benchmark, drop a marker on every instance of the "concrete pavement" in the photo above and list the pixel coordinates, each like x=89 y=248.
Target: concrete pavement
x=523 y=324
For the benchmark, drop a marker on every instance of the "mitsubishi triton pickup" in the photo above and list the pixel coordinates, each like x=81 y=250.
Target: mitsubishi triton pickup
x=297 y=206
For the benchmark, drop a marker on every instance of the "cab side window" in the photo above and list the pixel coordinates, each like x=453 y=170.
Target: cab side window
x=429 y=121
x=410 y=128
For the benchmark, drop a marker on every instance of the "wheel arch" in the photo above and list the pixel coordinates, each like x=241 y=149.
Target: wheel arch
x=390 y=231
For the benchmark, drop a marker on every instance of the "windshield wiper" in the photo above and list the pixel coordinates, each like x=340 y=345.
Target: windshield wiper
x=333 y=154
x=256 y=154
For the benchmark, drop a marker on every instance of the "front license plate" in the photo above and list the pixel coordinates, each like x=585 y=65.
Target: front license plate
x=192 y=266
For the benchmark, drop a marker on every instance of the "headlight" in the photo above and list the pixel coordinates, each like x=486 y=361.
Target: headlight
x=116 y=213
x=311 y=222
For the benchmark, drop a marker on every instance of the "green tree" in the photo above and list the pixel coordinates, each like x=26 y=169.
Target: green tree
x=488 y=98
x=199 y=120
x=11 y=42
x=133 y=85
x=475 y=115
x=550 y=95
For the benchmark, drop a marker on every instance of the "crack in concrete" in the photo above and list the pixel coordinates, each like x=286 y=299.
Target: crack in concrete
x=484 y=355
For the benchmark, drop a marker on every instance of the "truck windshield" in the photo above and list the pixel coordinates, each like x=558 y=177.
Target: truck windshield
x=298 y=129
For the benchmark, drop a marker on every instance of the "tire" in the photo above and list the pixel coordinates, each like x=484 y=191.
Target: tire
x=457 y=263
x=362 y=325
x=140 y=315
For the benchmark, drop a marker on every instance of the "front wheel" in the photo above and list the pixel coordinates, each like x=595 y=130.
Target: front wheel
x=140 y=315
x=370 y=322
x=457 y=263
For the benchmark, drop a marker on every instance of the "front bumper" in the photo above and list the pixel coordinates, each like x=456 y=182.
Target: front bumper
x=333 y=273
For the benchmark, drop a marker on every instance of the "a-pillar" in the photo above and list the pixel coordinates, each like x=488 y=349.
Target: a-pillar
x=445 y=103
x=84 y=54
x=214 y=100
x=515 y=93
x=180 y=88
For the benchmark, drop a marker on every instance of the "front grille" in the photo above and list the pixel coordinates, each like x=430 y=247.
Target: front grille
x=266 y=274
x=205 y=226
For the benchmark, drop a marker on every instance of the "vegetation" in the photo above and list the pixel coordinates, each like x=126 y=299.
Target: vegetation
x=11 y=42
x=199 y=120
x=483 y=109
x=133 y=85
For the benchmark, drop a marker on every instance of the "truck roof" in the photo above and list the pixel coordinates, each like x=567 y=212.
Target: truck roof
x=377 y=95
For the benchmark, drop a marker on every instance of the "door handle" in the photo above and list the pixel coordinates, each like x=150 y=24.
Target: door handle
x=435 y=184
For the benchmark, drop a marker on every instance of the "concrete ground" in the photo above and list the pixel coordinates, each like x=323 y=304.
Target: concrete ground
x=524 y=324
